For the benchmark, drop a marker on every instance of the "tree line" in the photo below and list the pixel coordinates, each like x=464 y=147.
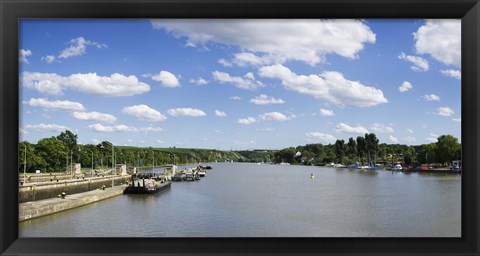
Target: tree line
x=366 y=150
x=56 y=153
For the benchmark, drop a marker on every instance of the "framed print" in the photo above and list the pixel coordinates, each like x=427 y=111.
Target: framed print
x=223 y=127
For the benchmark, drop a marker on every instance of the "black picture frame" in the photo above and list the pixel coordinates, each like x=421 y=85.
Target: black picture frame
x=13 y=10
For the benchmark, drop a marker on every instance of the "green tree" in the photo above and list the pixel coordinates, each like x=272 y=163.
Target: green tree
x=340 y=150
x=361 y=148
x=70 y=140
x=371 y=146
x=32 y=160
x=448 y=149
x=54 y=153
x=351 y=150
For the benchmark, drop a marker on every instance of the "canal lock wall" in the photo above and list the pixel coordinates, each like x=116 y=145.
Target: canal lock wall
x=51 y=189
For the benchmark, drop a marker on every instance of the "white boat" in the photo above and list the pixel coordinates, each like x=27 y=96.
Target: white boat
x=201 y=173
x=397 y=167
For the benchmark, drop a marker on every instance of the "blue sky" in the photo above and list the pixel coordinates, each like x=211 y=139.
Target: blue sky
x=239 y=84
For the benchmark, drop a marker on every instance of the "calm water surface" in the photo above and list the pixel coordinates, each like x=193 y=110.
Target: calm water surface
x=261 y=200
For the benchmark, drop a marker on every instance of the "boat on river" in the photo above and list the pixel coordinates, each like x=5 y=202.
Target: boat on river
x=145 y=184
x=397 y=167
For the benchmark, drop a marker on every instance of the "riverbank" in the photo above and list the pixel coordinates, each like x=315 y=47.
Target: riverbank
x=40 y=208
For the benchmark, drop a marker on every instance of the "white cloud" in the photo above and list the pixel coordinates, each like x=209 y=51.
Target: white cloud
x=275 y=116
x=405 y=86
x=445 y=111
x=78 y=47
x=419 y=64
x=441 y=39
x=409 y=130
x=152 y=129
x=246 y=121
x=220 y=113
x=330 y=86
x=96 y=116
x=393 y=139
x=326 y=112
x=235 y=98
x=23 y=54
x=225 y=63
x=459 y=120
x=452 y=73
x=345 y=128
x=56 y=105
x=381 y=128
x=409 y=139
x=246 y=82
x=265 y=100
x=431 y=97
x=47 y=127
x=115 y=128
x=165 y=78
x=159 y=142
x=431 y=139
x=22 y=131
x=144 y=112
x=114 y=85
x=48 y=59
x=199 y=81
x=186 y=112
x=320 y=137
x=265 y=129
x=275 y=41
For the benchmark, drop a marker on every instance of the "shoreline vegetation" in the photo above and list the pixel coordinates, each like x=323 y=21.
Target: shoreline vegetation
x=56 y=154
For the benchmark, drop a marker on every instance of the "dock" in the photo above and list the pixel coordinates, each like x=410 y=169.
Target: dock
x=35 y=209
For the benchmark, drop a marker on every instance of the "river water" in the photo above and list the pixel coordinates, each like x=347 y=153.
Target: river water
x=262 y=200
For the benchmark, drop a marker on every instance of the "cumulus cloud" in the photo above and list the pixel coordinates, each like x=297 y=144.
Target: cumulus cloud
x=452 y=73
x=151 y=129
x=330 y=86
x=441 y=39
x=409 y=130
x=275 y=116
x=235 y=98
x=265 y=100
x=419 y=64
x=78 y=47
x=23 y=54
x=48 y=59
x=405 y=86
x=199 y=81
x=409 y=139
x=165 y=78
x=246 y=121
x=267 y=129
x=459 y=120
x=186 y=112
x=445 y=111
x=381 y=128
x=431 y=97
x=220 y=113
x=246 y=82
x=144 y=112
x=94 y=116
x=345 y=128
x=47 y=127
x=115 y=128
x=56 y=105
x=393 y=139
x=326 y=112
x=275 y=41
x=113 y=85
x=319 y=137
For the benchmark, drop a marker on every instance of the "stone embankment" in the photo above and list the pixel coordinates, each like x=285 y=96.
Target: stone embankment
x=40 y=208
x=49 y=189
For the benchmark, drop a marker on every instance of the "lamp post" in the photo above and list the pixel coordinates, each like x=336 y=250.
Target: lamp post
x=25 y=165
x=92 y=164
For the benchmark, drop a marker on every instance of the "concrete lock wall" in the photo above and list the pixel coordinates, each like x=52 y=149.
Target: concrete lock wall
x=32 y=192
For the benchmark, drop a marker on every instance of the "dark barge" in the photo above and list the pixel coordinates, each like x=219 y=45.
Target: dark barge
x=144 y=184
